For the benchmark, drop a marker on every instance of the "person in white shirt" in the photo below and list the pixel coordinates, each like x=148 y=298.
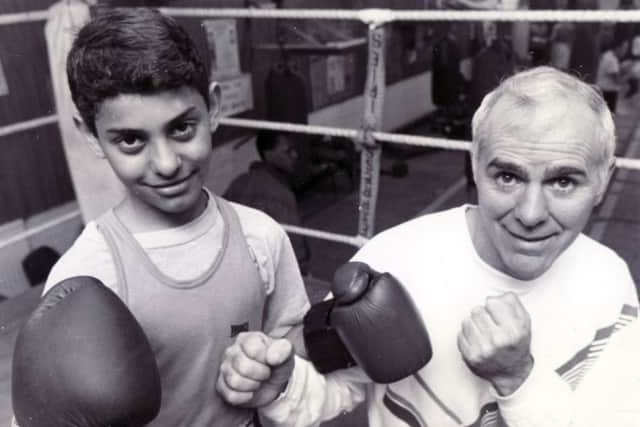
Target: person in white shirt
x=194 y=269
x=609 y=77
x=519 y=303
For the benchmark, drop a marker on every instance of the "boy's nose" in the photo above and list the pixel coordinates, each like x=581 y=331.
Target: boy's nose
x=165 y=161
x=531 y=207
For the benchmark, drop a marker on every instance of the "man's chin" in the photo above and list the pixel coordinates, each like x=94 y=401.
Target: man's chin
x=524 y=267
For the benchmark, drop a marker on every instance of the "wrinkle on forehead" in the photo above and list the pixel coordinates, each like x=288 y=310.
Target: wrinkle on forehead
x=560 y=127
x=543 y=152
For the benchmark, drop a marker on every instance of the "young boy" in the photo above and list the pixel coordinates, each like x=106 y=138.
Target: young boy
x=194 y=269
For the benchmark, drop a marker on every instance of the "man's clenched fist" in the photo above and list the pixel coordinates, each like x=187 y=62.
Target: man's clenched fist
x=495 y=342
x=255 y=370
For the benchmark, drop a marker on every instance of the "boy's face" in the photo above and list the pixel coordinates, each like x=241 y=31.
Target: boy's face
x=159 y=146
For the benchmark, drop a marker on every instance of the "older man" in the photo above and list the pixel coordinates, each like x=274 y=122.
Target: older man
x=518 y=302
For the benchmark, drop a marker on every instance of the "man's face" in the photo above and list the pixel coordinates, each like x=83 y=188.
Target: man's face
x=538 y=182
x=159 y=146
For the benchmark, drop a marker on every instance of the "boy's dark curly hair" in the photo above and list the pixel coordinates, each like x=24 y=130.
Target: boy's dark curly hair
x=131 y=51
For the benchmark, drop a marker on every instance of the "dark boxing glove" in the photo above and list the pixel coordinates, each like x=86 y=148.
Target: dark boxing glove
x=82 y=360
x=371 y=322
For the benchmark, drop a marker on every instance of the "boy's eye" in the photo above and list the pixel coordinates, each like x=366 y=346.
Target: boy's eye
x=183 y=130
x=129 y=143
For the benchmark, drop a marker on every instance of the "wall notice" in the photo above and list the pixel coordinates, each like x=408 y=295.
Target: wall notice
x=237 y=95
x=222 y=38
x=4 y=87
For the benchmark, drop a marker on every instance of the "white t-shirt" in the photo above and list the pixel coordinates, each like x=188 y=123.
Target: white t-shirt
x=183 y=252
x=575 y=307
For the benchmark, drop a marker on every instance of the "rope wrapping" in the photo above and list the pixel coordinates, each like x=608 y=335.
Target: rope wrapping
x=371 y=151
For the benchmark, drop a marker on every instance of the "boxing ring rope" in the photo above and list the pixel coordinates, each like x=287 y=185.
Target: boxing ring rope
x=369 y=135
x=28 y=124
x=22 y=17
x=382 y=16
x=394 y=138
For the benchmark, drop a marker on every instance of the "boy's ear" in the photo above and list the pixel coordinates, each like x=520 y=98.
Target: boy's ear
x=91 y=139
x=215 y=104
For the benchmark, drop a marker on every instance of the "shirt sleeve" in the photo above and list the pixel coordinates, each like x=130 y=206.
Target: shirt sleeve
x=311 y=397
x=544 y=399
x=610 y=393
x=88 y=256
x=547 y=400
x=287 y=300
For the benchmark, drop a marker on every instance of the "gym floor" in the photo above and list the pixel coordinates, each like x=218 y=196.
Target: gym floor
x=435 y=181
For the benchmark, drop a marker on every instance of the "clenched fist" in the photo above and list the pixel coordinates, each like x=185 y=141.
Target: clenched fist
x=255 y=370
x=495 y=342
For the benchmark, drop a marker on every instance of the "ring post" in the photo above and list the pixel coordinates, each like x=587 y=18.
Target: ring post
x=372 y=119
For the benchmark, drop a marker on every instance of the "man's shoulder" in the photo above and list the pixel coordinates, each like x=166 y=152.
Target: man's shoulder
x=598 y=272
x=429 y=235
x=591 y=252
x=427 y=226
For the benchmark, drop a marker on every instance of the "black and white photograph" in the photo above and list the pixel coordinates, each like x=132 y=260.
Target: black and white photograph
x=303 y=213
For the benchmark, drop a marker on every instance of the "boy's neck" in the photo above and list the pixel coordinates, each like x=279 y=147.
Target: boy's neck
x=140 y=217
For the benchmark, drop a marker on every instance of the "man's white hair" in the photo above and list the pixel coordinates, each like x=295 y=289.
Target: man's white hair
x=535 y=88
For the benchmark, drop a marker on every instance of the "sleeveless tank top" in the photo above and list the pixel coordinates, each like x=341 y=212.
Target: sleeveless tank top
x=190 y=323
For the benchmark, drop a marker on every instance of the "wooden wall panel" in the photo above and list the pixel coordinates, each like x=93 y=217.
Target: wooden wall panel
x=33 y=172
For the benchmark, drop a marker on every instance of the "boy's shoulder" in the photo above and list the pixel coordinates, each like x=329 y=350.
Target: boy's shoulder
x=256 y=223
x=88 y=255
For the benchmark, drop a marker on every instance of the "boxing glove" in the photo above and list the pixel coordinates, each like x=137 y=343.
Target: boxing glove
x=371 y=322
x=82 y=360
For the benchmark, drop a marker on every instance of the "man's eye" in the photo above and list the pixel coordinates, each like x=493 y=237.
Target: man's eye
x=563 y=183
x=506 y=178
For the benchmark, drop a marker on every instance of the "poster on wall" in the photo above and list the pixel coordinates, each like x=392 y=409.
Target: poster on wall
x=335 y=74
x=222 y=38
x=4 y=87
x=237 y=95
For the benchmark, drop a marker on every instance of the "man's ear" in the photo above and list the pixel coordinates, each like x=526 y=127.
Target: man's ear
x=215 y=104
x=604 y=185
x=91 y=139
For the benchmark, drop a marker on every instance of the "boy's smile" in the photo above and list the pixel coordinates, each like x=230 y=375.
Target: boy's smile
x=159 y=146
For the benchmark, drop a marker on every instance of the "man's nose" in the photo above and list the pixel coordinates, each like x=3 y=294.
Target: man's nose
x=165 y=160
x=531 y=208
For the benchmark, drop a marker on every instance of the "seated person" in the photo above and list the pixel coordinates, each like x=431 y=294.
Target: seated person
x=267 y=186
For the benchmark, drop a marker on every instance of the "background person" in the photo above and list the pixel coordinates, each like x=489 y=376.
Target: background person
x=267 y=186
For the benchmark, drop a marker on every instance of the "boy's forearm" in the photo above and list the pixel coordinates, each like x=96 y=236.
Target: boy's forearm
x=295 y=335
